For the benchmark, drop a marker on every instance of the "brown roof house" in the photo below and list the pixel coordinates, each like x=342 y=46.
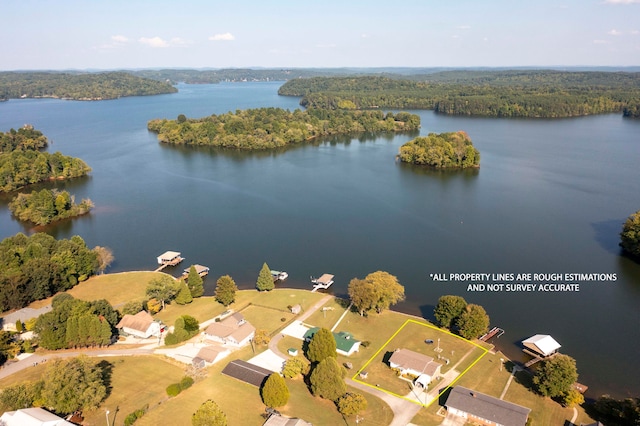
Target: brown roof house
x=139 y=325
x=479 y=408
x=234 y=330
x=209 y=355
x=416 y=364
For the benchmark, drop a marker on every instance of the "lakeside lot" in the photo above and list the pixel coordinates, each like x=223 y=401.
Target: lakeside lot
x=141 y=380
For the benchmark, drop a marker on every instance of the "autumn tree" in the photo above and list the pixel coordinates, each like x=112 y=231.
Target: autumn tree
x=327 y=379
x=321 y=346
x=448 y=310
x=265 y=280
x=294 y=367
x=377 y=291
x=274 y=392
x=630 y=235
x=472 y=322
x=105 y=257
x=351 y=403
x=209 y=414
x=555 y=376
x=195 y=283
x=226 y=289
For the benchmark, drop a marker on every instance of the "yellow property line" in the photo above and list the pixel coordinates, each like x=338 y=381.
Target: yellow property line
x=485 y=351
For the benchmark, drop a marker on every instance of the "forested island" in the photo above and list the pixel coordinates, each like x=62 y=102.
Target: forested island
x=527 y=93
x=265 y=128
x=47 y=205
x=39 y=266
x=78 y=86
x=22 y=164
x=441 y=151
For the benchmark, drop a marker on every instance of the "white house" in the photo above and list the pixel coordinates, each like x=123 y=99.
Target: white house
x=209 y=355
x=234 y=330
x=139 y=325
x=34 y=416
x=416 y=364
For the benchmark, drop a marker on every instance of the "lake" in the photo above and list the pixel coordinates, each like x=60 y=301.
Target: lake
x=550 y=198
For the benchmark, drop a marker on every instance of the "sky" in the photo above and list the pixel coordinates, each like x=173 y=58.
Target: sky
x=114 y=34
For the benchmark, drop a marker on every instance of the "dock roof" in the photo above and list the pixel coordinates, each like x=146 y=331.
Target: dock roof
x=169 y=255
x=325 y=278
x=542 y=344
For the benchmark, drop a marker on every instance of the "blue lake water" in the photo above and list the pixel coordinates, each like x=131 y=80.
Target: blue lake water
x=550 y=197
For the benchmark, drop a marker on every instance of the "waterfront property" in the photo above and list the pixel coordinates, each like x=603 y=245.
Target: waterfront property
x=479 y=408
x=140 y=325
x=541 y=345
x=423 y=367
x=324 y=282
x=234 y=330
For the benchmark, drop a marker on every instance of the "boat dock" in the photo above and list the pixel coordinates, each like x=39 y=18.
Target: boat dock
x=324 y=282
x=168 y=258
x=200 y=270
x=494 y=332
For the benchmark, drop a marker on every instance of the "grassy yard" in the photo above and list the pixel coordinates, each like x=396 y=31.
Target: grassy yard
x=242 y=404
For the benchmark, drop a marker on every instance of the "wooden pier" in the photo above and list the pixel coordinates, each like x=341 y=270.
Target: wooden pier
x=536 y=357
x=494 y=332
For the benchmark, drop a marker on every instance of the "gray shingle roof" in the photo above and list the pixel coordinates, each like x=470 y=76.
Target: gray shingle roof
x=487 y=407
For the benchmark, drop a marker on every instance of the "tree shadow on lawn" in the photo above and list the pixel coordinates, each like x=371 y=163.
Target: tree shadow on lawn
x=106 y=371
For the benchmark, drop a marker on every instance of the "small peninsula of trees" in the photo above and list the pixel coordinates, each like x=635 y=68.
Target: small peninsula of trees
x=266 y=128
x=47 y=205
x=22 y=164
x=39 y=266
x=468 y=320
x=444 y=150
x=78 y=86
x=630 y=235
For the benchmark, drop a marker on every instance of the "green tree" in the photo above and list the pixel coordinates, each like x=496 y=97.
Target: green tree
x=226 y=289
x=184 y=295
x=132 y=307
x=321 y=346
x=555 y=376
x=327 y=379
x=163 y=289
x=195 y=283
x=630 y=235
x=73 y=384
x=265 y=280
x=19 y=396
x=622 y=412
x=448 y=310
x=209 y=414
x=572 y=398
x=378 y=291
x=472 y=322
x=351 y=403
x=274 y=392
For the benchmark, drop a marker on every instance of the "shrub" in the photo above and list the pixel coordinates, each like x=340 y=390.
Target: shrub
x=132 y=417
x=173 y=389
x=186 y=382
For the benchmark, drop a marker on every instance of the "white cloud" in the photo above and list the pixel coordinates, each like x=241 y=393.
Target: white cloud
x=153 y=41
x=600 y=42
x=222 y=37
x=178 y=41
x=622 y=1
x=614 y=32
x=464 y=27
x=119 y=39
x=364 y=35
x=635 y=32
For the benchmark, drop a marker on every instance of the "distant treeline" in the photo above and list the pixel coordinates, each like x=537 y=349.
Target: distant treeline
x=21 y=163
x=540 y=94
x=265 y=128
x=444 y=150
x=47 y=205
x=39 y=266
x=78 y=86
x=232 y=75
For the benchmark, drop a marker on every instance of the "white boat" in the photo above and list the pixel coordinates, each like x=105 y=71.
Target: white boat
x=279 y=275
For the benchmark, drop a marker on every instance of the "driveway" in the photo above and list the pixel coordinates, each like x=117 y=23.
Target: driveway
x=269 y=360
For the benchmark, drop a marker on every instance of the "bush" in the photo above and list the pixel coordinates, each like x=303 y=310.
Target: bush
x=132 y=417
x=174 y=389
x=186 y=382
